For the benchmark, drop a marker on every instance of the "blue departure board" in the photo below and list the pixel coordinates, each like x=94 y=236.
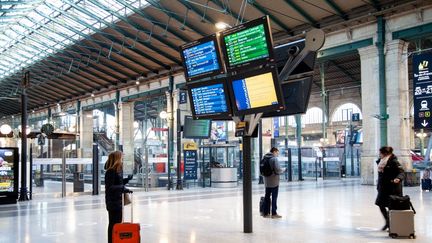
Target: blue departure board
x=201 y=59
x=210 y=99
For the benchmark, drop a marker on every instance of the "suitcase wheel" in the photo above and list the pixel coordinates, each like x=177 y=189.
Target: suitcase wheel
x=412 y=236
x=393 y=235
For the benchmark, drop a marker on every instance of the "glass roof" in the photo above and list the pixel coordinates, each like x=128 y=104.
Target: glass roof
x=31 y=30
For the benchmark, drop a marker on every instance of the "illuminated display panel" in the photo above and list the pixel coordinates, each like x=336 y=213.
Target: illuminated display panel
x=9 y=171
x=201 y=58
x=198 y=129
x=248 y=44
x=256 y=92
x=210 y=100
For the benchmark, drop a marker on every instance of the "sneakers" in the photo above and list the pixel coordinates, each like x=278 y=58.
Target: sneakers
x=274 y=216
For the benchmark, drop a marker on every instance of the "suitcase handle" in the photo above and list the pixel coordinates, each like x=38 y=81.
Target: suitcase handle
x=131 y=199
x=412 y=207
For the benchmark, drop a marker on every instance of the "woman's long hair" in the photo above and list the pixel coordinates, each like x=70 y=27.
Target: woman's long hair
x=114 y=161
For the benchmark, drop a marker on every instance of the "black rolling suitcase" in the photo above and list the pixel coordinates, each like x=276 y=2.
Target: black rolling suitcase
x=426 y=184
x=261 y=206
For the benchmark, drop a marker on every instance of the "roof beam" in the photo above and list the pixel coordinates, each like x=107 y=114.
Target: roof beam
x=107 y=35
x=158 y=62
x=376 y=4
x=154 y=21
x=302 y=12
x=272 y=18
x=232 y=13
x=338 y=9
x=87 y=37
x=68 y=85
x=184 y=21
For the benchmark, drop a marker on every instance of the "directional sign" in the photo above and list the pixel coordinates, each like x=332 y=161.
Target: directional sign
x=355 y=117
x=422 y=90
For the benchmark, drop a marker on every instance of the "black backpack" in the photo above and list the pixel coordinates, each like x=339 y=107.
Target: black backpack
x=265 y=168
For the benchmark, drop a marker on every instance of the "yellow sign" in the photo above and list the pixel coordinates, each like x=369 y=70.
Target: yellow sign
x=190 y=146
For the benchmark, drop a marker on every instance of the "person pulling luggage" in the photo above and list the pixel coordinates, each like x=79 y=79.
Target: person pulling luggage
x=114 y=189
x=390 y=176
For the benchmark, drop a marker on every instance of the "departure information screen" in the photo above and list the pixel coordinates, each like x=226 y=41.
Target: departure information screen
x=196 y=128
x=201 y=59
x=255 y=92
x=209 y=99
x=247 y=45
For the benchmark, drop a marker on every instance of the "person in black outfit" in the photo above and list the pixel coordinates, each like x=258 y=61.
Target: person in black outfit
x=390 y=176
x=114 y=189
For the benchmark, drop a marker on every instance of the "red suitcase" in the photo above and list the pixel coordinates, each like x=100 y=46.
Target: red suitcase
x=125 y=232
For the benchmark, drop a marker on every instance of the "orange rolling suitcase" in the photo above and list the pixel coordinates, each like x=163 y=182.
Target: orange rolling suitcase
x=126 y=232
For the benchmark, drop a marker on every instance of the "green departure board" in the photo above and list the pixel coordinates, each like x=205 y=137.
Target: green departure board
x=246 y=45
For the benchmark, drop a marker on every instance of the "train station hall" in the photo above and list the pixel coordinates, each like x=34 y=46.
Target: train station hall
x=201 y=121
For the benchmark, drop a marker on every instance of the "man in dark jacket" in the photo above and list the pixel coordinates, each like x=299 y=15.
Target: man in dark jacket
x=272 y=184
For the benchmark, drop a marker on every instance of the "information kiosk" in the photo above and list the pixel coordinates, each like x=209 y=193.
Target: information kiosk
x=250 y=85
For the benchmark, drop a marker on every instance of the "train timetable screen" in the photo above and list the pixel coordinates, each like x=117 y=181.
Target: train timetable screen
x=201 y=59
x=209 y=99
x=255 y=92
x=247 y=45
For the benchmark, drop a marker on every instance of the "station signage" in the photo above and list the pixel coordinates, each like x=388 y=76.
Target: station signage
x=422 y=89
x=190 y=156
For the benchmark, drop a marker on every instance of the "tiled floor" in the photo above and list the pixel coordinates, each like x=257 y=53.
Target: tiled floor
x=330 y=211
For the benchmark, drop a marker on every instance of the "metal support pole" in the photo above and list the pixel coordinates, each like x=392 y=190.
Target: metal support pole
x=247 y=185
x=31 y=174
x=117 y=118
x=96 y=179
x=289 y=168
x=260 y=149
x=382 y=80
x=170 y=129
x=324 y=102
x=23 y=191
x=352 y=151
x=179 y=185
x=299 y=138
x=63 y=170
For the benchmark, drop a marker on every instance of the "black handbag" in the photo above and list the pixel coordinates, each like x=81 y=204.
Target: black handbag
x=400 y=203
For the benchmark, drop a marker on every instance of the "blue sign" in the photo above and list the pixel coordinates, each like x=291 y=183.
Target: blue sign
x=190 y=165
x=201 y=58
x=422 y=89
x=355 y=117
x=276 y=127
x=209 y=99
x=183 y=97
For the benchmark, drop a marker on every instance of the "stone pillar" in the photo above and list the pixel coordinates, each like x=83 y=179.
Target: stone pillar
x=398 y=101
x=86 y=134
x=127 y=135
x=370 y=103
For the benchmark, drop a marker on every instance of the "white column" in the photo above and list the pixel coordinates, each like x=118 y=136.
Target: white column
x=370 y=103
x=398 y=126
x=86 y=134
x=127 y=135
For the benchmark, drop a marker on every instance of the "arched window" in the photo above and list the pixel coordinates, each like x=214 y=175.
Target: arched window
x=313 y=115
x=343 y=112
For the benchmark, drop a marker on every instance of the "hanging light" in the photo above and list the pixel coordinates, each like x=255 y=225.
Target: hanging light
x=5 y=129
x=163 y=114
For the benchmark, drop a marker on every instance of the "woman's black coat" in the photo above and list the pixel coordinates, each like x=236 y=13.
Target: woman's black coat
x=114 y=188
x=385 y=186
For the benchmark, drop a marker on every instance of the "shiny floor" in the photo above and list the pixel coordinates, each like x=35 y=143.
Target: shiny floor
x=329 y=211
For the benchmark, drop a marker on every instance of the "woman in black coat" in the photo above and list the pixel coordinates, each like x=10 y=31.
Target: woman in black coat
x=390 y=176
x=114 y=189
